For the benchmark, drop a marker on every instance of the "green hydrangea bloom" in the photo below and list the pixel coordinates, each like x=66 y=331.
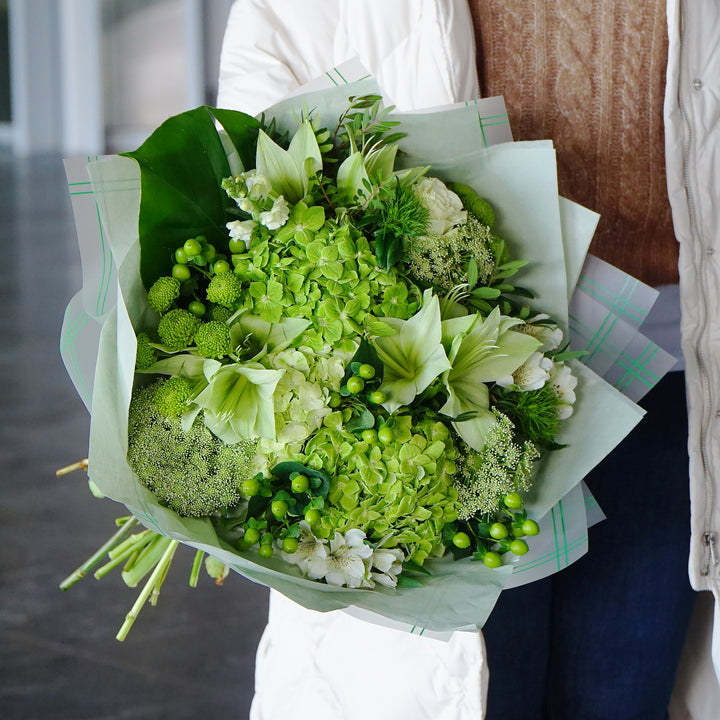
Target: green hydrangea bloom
x=213 y=339
x=401 y=492
x=225 y=289
x=146 y=354
x=163 y=293
x=171 y=396
x=177 y=329
x=193 y=472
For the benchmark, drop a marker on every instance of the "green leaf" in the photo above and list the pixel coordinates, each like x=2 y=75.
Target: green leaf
x=412 y=566
x=242 y=129
x=408 y=582
x=472 y=273
x=181 y=167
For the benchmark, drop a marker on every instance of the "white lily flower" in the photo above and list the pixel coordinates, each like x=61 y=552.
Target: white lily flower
x=388 y=562
x=309 y=550
x=563 y=383
x=344 y=564
x=531 y=375
x=241 y=230
x=277 y=216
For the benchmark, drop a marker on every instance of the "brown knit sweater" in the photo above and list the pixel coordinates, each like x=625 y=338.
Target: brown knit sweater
x=591 y=76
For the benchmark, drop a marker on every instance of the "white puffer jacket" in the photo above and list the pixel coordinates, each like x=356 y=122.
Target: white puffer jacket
x=422 y=53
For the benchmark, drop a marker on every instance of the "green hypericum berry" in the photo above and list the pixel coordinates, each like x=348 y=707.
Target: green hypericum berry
x=290 y=545
x=172 y=396
x=177 y=329
x=192 y=247
x=146 y=355
x=221 y=266
x=513 y=500
x=492 y=559
x=355 y=385
x=385 y=435
x=181 y=256
x=370 y=436
x=163 y=293
x=252 y=535
x=213 y=339
x=335 y=399
x=518 y=547
x=474 y=204
x=196 y=308
x=225 y=289
x=181 y=272
x=210 y=253
x=498 y=531
x=530 y=527
x=366 y=372
x=251 y=487
x=300 y=483
x=377 y=397
x=279 y=509
x=265 y=551
x=312 y=516
x=461 y=540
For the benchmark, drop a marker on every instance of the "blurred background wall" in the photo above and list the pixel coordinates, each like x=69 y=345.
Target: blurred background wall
x=94 y=76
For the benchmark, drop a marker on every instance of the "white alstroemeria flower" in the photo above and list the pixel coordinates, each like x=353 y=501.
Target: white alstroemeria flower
x=309 y=550
x=531 y=375
x=344 y=564
x=388 y=564
x=241 y=230
x=277 y=216
x=445 y=207
x=563 y=383
x=549 y=335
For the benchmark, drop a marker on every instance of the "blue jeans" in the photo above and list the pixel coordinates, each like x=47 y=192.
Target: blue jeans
x=602 y=639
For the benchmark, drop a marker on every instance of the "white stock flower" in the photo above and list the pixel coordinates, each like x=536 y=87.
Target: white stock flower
x=563 y=383
x=309 y=550
x=445 y=207
x=258 y=185
x=344 y=564
x=245 y=204
x=531 y=375
x=241 y=230
x=388 y=562
x=277 y=216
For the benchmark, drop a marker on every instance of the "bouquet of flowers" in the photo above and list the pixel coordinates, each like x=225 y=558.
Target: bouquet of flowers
x=321 y=370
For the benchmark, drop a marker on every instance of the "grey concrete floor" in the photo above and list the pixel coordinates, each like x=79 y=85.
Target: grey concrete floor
x=192 y=656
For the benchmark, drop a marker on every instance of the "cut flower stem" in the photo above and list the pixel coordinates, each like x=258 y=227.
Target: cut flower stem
x=156 y=577
x=97 y=556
